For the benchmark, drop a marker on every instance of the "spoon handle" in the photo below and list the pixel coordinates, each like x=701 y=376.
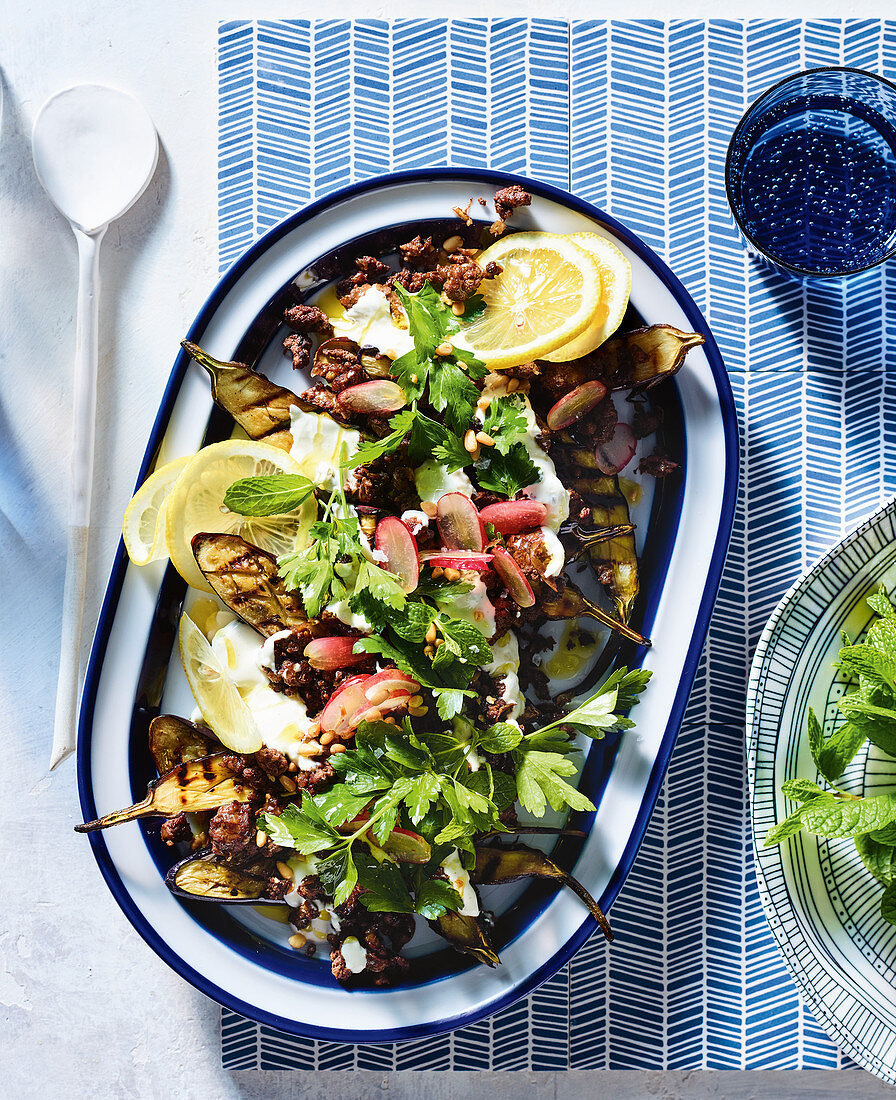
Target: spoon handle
x=83 y=429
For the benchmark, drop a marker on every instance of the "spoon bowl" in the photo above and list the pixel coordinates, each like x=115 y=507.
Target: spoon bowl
x=95 y=151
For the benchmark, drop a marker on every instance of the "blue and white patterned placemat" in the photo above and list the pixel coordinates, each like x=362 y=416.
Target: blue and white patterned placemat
x=635 y=117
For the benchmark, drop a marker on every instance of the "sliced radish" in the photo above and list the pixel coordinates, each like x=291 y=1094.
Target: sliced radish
x=513 y=577
x=513 y=516
x=382 y=684
x=342 y=705
x=380 y=395
x=573 y=405
x=398 y=701
x=327 y=654
x=459 y=523
x=614 y=455
x=456 y=559
x=394 y=539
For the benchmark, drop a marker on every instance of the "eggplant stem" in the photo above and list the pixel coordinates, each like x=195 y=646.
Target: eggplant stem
x=614 y=624
x=141 y=809
x=579 y=890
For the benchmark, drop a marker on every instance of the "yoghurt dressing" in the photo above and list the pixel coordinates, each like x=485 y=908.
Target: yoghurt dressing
x=369 y=323
x=504 y=667
x=460 y=880
x=282 y=720
x=317 y=443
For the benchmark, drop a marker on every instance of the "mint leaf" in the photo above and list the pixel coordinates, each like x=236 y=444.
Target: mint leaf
x=839 y=749
x=844 y=817
x=506 y=473
x=873 y=664
x=888 y=904
x=879 y=602
x=462 y=641
x=801 y=790
x=880 y=859
x=501 y=737
x=268 y=495
x=816 y=738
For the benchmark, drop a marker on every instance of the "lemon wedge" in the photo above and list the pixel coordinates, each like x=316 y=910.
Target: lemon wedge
x=548 y=292
x=216 y=695
x=616 y=286
x=197 y=504
x=144 y=519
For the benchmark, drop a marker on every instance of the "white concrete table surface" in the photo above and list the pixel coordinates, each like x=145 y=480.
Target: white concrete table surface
x=88 y=1010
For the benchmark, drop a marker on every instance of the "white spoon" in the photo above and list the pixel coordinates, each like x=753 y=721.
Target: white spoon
x=95 y=150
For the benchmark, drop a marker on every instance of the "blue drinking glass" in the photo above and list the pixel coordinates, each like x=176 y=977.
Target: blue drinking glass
x=811 y=172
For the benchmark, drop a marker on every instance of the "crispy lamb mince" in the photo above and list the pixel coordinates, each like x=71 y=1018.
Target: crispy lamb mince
x=454 y=581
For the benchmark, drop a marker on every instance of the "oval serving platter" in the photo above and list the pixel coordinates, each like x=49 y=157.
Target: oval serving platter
x=822 y=905
x=242 y=960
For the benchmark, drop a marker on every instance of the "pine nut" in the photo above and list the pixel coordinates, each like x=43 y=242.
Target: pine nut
x=445 y=348
x=483 y=403
x=379 y=695
x=297 y=941
x=452 y=574
x=429 y=508
x=420 y=711
x=432 y=633
x=337 y=749
x=470 y=441
x=260 y=837
x=314 y=729
x=390 y=721
x=452 y=244
x=327 y=738
x=293 y=767
x=513 y=384
x=324 y=914
x=485 y=439
x=429 y=650
x=457 y=308
x=373 y=715
x=285 y=870
x=415 y=701
x=437 y=571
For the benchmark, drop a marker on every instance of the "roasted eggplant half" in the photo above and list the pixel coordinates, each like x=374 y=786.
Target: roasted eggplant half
x=245 y=578
x=466 y=934
x=260 y=407
x=496 y=864
x=173 y=741
x=191 y=787
x=201 y=877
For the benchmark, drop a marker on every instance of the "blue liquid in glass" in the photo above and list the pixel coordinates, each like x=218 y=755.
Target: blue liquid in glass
x=817 y=184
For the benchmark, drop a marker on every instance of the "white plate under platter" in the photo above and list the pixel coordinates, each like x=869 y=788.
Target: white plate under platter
x=822 y=905
x=245 y=971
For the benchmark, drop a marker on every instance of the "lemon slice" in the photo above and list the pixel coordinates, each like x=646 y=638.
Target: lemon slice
x=216 y=695
x=197 y=504
x=548 y=292
x=144 y=518
x=616 y=286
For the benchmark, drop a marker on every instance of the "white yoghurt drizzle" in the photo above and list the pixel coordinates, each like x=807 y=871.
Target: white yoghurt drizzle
x=460 y=880
x=282 y=720
x=369 y=322
x=317 y=443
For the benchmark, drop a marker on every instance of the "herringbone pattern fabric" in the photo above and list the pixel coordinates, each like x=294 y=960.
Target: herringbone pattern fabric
x=636 y=117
